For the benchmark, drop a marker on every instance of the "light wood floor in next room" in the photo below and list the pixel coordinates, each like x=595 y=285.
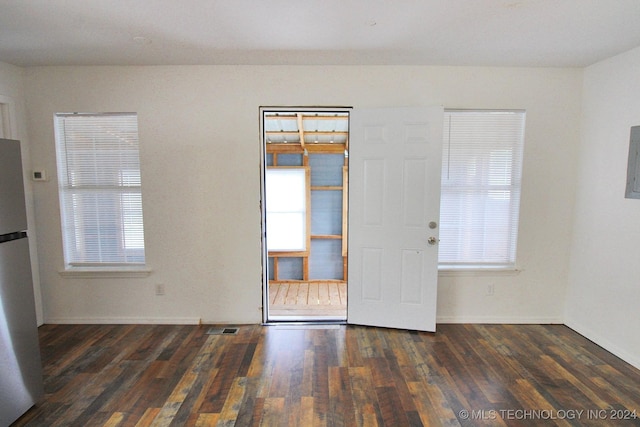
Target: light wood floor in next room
x=314 y=299
x=159 y=375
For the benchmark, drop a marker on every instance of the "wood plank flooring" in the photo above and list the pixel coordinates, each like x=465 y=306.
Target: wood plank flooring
x=160 y=375
x=315 y=299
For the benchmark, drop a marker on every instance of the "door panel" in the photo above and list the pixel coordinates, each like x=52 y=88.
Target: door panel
x=395 y=160
x=374 y=179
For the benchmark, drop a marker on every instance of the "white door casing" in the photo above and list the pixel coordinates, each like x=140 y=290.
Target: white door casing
x=394 y=210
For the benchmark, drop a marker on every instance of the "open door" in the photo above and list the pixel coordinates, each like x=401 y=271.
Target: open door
x=394 y=209
x=305 y=188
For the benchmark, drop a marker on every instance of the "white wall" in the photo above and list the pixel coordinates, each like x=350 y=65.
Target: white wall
x=604 y=280
x=12 y=94
x=200 y=168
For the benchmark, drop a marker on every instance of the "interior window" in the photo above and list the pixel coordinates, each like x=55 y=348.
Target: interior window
x=286 y=208
x=100 y=189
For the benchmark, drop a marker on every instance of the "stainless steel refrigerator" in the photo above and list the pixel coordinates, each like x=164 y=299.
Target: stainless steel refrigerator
x=21 y=384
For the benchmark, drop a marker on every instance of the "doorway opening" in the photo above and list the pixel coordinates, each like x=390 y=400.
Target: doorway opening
x=305 y=211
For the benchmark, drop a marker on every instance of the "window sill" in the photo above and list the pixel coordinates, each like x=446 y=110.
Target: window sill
x=478 y=271
x=105 y=272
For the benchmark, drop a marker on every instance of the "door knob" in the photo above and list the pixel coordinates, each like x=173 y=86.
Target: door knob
x=432 y=241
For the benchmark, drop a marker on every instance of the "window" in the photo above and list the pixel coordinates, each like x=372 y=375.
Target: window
x=100 y=189
x=287 y=209
x=480 y=199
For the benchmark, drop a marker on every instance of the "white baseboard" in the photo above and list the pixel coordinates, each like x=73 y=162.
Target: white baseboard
x=500 y=319
x=632 y=359
x=124 y=320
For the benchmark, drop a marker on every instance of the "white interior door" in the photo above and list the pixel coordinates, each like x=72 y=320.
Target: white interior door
x=394 y=209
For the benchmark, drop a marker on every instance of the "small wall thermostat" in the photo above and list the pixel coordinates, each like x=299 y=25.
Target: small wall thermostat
x=40 y=175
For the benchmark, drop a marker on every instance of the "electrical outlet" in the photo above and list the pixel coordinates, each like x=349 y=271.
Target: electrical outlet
x=160 y=289
x=490 y=290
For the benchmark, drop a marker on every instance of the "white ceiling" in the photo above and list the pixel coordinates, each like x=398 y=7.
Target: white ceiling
x=546 y=33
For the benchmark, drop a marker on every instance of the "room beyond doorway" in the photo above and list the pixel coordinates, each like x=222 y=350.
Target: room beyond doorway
x=305 y=200
x=318 y=299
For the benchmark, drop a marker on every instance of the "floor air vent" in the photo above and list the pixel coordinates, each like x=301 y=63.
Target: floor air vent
x=223 y=331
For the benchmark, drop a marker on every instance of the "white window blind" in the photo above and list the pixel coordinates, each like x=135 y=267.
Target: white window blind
x=480 y=199
x=100 y=189
x=286 y=209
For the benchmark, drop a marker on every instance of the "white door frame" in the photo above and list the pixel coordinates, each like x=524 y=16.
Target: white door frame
x=263 y=212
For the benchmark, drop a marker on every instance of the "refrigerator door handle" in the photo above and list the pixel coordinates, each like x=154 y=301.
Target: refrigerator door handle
x=12 y=236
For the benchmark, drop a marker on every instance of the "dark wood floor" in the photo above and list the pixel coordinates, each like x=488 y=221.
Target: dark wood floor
x=126 y=375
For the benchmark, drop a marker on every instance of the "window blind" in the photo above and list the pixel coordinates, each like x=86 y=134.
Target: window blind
x=480 y=195
x=100 y=189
